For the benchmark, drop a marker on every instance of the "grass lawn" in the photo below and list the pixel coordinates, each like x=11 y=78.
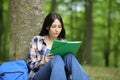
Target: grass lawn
x=102 y=73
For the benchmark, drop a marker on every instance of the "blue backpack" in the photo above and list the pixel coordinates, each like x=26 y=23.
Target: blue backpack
x=14 y=70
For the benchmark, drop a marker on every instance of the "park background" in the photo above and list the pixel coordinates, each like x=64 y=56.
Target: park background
x=94 y=22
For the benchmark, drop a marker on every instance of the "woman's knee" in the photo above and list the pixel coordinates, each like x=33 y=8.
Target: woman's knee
x=57 y=60
x=69 y=56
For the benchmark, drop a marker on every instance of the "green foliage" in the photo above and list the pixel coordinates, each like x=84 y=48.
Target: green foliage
x=4 y=53
x=73 y=13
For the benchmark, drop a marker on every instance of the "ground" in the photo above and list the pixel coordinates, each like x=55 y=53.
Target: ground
x=102 y=73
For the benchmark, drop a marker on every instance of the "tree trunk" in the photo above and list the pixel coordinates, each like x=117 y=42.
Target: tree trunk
x=116 y=53
x=107 y=51
x=88 y=33
x=1 y=29
x=71 y=26
x=26 y=17
x=53 y=6
x=116 y=45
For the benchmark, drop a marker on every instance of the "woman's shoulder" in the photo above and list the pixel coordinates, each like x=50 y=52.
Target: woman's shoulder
x=38 y=37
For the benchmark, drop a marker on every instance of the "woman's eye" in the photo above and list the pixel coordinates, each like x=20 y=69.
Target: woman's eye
x=59 y=26
x=53 y=26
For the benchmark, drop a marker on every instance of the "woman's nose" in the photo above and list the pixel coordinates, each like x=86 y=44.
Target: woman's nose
x=56 y=29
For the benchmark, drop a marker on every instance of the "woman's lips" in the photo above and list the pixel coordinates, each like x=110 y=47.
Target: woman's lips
x=56 y=33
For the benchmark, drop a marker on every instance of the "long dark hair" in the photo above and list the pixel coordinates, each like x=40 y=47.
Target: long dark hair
x=49 y=19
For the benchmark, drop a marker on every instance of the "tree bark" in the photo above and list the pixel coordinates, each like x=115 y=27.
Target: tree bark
x=26 y=18
x=88 y=33
x=116 y=45
x=107 y=52
x=53 y=5
x=1 y=28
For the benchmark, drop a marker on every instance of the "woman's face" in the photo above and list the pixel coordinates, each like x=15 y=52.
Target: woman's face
x=55 y=29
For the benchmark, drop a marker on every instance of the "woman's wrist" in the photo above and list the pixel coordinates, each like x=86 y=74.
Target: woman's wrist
x=42 y=62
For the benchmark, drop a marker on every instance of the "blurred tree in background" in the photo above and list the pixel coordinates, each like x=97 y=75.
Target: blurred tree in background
x=4 y=31
x=94 y=22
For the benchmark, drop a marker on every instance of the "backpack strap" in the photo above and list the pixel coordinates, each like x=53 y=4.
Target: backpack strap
x=2 y=74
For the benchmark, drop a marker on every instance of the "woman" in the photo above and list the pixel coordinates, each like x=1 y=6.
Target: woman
x=44 y=66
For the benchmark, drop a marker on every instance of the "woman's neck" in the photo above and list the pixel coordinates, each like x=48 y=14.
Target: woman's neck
x=48 y=41
x=50 y=38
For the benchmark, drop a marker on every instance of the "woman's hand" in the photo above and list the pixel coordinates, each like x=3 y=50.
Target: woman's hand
x=48 y=57
x=42 y=62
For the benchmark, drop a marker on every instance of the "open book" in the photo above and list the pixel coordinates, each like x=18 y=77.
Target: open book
x=62 y=48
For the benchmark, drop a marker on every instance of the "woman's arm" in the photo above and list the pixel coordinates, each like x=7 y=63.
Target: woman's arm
x=34 y=58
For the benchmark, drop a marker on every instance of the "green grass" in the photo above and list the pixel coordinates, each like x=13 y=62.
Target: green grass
x=102 y=73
